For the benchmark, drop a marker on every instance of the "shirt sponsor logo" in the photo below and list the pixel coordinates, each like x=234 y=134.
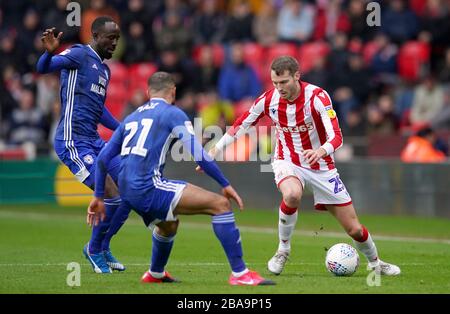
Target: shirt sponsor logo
x=298 y=128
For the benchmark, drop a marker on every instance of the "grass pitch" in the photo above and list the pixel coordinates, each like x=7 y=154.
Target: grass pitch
x=37 y=242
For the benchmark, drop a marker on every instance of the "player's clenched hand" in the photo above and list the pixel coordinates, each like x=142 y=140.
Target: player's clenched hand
x=212 y=154
x=50 y=42
x=313 y=155
x=95 y=211
x=229 y=192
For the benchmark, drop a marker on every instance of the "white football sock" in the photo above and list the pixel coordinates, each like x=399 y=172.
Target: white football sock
x=368 y=248
x=286 y=226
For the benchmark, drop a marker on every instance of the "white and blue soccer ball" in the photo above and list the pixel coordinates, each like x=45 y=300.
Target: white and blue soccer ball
x=342 y=259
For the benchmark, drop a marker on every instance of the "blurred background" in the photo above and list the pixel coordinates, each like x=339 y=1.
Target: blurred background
x=389 y=85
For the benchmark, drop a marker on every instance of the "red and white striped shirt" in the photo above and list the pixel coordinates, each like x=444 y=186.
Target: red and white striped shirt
x=309 y=122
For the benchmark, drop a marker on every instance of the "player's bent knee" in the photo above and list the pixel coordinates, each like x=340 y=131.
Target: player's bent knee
x=223 y=206
x=167 y=228
x=356 y=232
x=292 y=198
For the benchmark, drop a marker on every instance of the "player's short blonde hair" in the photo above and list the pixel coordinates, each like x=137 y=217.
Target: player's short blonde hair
x=284 y=63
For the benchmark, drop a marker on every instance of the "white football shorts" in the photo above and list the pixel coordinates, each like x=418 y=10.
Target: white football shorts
x=327 y=187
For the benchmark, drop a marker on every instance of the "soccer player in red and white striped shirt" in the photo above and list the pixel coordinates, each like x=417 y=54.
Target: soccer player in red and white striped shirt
x=308 y=134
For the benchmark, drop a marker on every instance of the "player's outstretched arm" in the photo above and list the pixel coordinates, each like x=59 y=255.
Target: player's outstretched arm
x=68 y=59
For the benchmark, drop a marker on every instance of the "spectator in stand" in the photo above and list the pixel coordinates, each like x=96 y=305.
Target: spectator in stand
x=444 y=68
x=384 y=61
x=27 y=123
x=330 y=19
x=436 y=23
x=399 y=22
x=296 y=22
x=339 y=55
x=237 y=79
x=318 y=75
x=420 y=148
x=136 y=49
x=209 y=23
x=137 y=99
x=181 y=71
x=357 y=15
x=137 y=12
x=188 y=103
x=351 y=86
x=381 y=118
x=26 y=40
x=428 y=102
x=10 y=53
x=206 y=72
x=265 y=24
x=239 y=23
x=57 y=16
x=215 y=111
x=174 y=35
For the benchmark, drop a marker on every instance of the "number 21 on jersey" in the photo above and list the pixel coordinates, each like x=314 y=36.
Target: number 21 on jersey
x=133 y=127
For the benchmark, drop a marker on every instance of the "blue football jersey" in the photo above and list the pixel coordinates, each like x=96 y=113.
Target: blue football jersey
x=145 y=137
x=83 y=92
x=143 y=140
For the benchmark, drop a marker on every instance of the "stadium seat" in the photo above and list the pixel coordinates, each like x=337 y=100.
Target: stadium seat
x=254 y=53
x=412 y=60
x=119 y=72
x=117 y=93
x=217 y=50
x=281 y=49
x=116 y=109
x=309 y=52
x=368 y=51
x=139 y=74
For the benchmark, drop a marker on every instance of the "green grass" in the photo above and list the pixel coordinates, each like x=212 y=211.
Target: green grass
x=37 y=243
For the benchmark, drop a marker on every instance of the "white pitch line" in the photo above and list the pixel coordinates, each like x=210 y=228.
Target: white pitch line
x=266 y=230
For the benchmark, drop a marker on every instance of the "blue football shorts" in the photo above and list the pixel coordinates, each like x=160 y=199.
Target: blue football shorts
x=156 y=203
x=80 y=157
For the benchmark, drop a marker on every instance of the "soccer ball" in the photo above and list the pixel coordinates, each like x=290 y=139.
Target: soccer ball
x=342 y=259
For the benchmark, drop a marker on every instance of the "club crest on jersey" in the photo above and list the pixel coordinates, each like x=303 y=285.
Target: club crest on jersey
x=88 y=159
x=94 y=66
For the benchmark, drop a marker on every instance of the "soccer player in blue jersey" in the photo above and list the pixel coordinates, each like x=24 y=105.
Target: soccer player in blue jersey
x=84 y=80
x=142 y=140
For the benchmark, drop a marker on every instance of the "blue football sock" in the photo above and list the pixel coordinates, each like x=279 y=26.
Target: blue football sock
x=225 y=229
x=99 y=231
x=118 y=219
x=160 y=252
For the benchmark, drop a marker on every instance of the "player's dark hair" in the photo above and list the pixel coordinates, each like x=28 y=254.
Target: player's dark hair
x=100 y=22
x=283 y=63
x=160 y=81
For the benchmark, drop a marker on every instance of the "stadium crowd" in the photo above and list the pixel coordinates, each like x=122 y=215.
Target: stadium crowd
x=388 y=80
